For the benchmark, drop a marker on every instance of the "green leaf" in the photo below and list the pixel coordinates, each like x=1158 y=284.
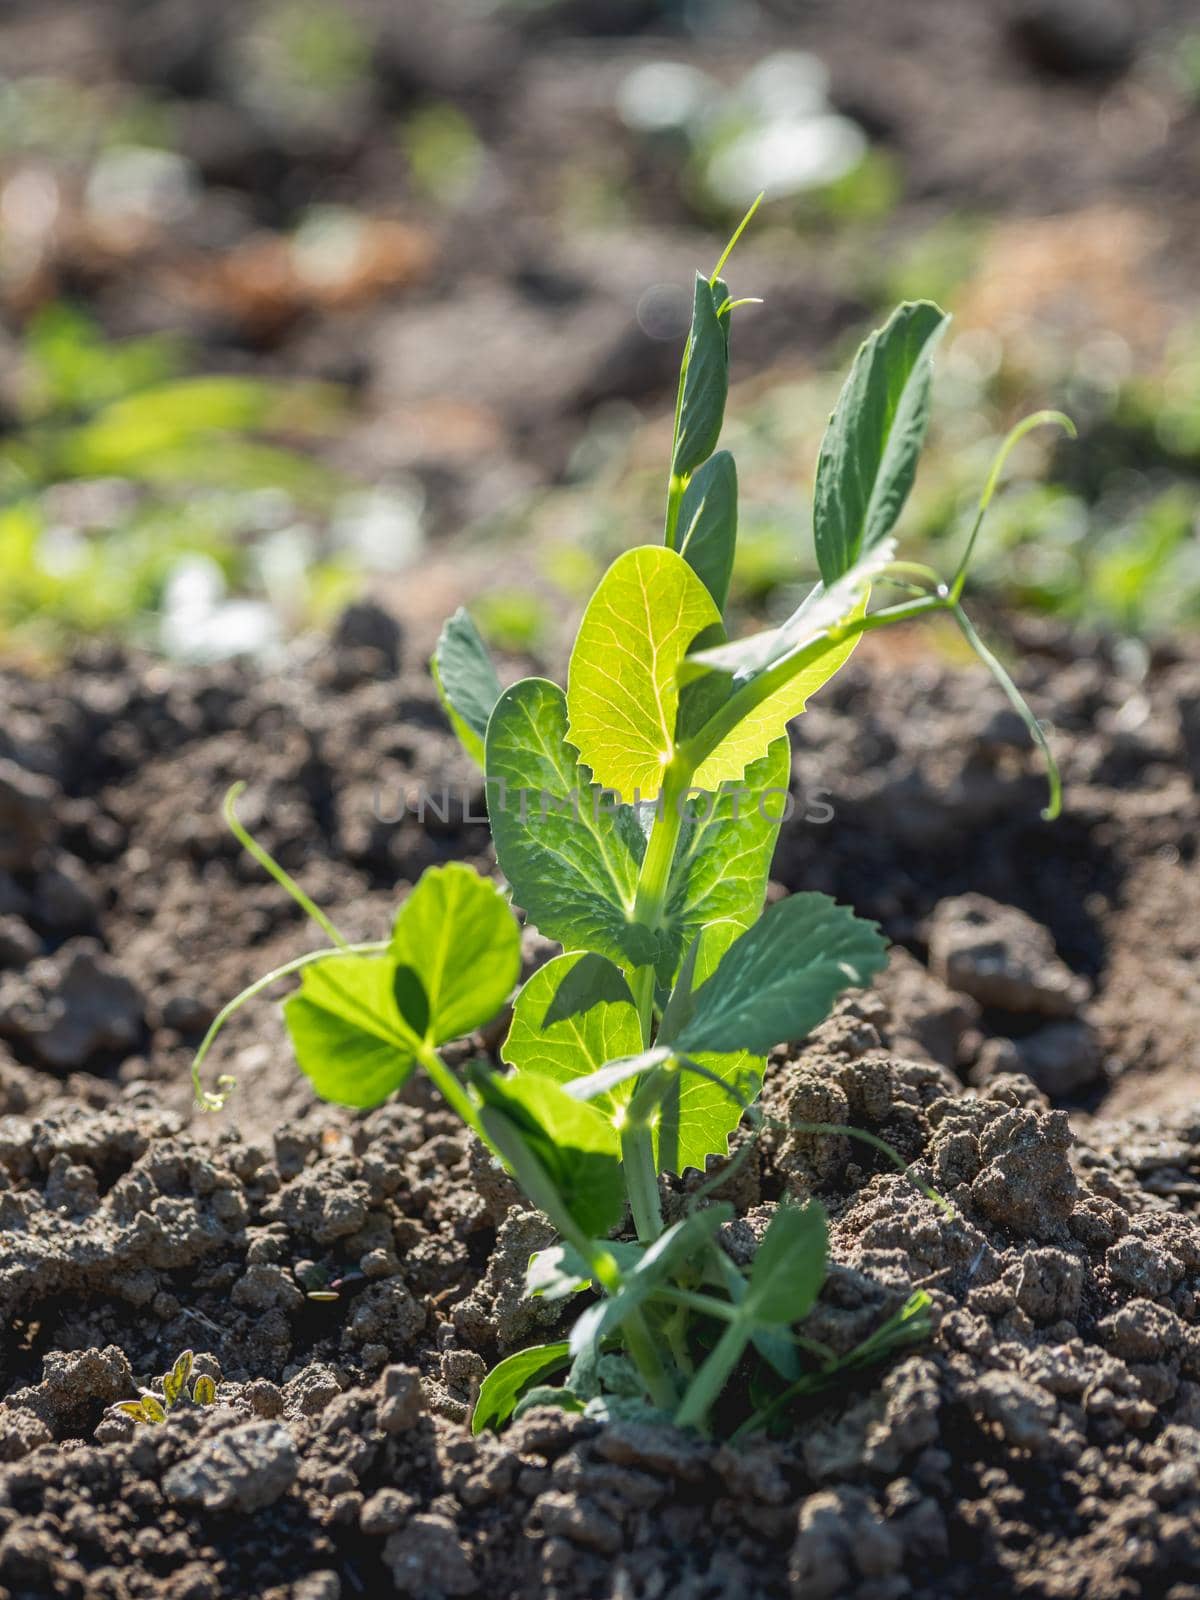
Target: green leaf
x=563 y=1152
x=508 y=1379
x=622 y=692
x=800 y=676
x=571 y=857
x=204 y=1391
x=358 y=1021
x=779 y=980
x=706 y=379
x=723 y=858
x=575 y=1014
x=152 y=1408
x=466 y=681
x=670 y=1251
x=706 y=535
x=560 y=1271
x=173 y=1383
x=457 y=950
x=869 y=454
x=132 y=1408
x=350 y=1038
x=821 y=609
x=705 y=1097
x=789 y=1266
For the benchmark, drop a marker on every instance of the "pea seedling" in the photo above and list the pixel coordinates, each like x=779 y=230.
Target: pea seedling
x=151 y=1409
x=631 y=820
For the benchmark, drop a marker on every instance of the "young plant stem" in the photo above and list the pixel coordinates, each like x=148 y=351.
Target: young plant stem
x=692 y=1299
x=706 y=1386
x=644 y=1351
x=637 y=1140
x=450 y=1089
x=269 y=865
x=641 y=1182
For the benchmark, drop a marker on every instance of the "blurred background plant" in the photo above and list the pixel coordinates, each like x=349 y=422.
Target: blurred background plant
x=309 y=299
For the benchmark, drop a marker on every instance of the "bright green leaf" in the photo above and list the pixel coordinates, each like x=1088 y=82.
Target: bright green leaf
x=789 y=1266
x=152 y=1408
x=457 y=949
x=801 y=676
x=575 y=1014
x=706 y=535
x=622 y=693
x=507 y=1381
x=706 y=380
x=563 y=1152
x=779 y=980
x=869 y=454
x=466 y=681
x=204 y=1391
x=350 y=1039
x=571 y=855
x=173 y=1383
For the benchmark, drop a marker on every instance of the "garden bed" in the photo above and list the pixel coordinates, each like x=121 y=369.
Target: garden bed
x=1031 y=1048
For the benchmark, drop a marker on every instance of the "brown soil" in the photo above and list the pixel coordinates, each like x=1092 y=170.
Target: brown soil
x=1044 y=1442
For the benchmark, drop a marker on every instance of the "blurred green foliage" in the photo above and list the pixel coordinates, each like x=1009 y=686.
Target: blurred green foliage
x=117 y=467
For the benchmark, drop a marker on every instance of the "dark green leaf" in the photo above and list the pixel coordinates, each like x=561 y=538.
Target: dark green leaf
x=562 y=1397
x=466 y=681
x=571 y=854
x=675 y=1248
x=724 y=854
x=776 y=982
x=869 y=455
x=706 y=382
x=706 y=535
x=505 y=1383
x=789 y=1266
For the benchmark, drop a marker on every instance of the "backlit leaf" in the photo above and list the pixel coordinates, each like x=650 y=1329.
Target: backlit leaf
x=350 y=1039
x=457 y=949
x=768 y=720
x=575 y=1014
x=622 y=693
